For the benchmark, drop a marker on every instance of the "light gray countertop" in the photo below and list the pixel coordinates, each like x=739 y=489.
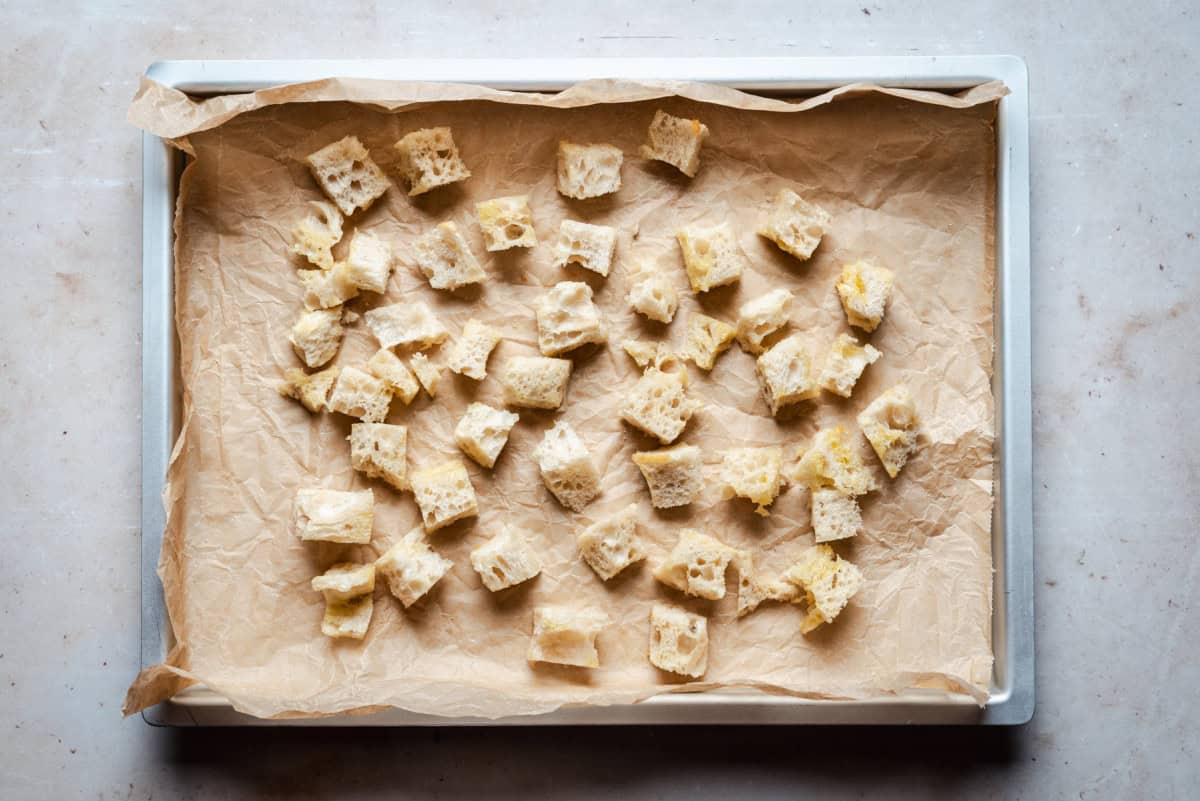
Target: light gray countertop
x=1116 y=295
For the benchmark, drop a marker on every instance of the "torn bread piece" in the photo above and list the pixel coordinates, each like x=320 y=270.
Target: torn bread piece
x=566 y=467
x=445 y=259
x=348 y=619
x=658 y=404
x=890 y=424
x=642 y=352
x=345 y=172
x=345 y=580
x=754 y=590
x=505 y=560
x=675 y=141
x=707 y=338
x=827 y=581
x=795 y=225
x=835 y=515
x=535 y=382
x=429 y=159
x=754 y=474
x=785 y=372
x=315 y=234
x=470 y=353
x=654 y=297
x=368 y=265
x=506 y=222
x=674 y=476
x=589 y=246
x=444 y=494
x=379 y=450
x=411 y=567
x=612 y=544
x=483 y=432
x=586 y=171
x=326 y=289
x=317 y=335
x=428 y=374
x=567 y=319
x=357 y=394
x=334 y=516
x=311 y=389
x=387 y=367
x=761 y=317
x=830 y=461
x=410 y=324
x=864 y=290
x=678 y=640
x=696 y=565
x=845 y=364
x=711 y=255
x=566 y=636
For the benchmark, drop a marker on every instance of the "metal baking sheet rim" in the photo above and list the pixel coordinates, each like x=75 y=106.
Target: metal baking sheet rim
x=1011 y=698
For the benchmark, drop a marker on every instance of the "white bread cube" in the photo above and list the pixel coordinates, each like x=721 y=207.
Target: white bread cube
x=835 y=515
x=645 y=354
x=379 y=450
x=428 y=373
x=347 y=174
x=754 y=474
x=535 y=382
x=325 y=289
x=696 y=565
x=429 y=159
x=590 y=246
x=754 y=589
x=348 y=619
x=845 y=364
x=444 y=257
x=761 y=317
x=470 y=353
x=890 y=424
x=676 y=141
x=795 y=225
x=678 y=641
x=345 y=580
x=707 y=338
x=830 y=462
x=586 y=171
x=410 y=324
x=357 y=394
x=505 y=560
x=566 y=467
x=827 y=581
x=411 y=567
x=315 y=234
x=567 y=319
x=334 y=516
x=311 y=389
x=675 y=476
x=444 y=494
x=864 y=290
x=369 y=262
x=483 y=432
x=387 y=367
x=711 y=255
x=654 y=297
x=658 y=404
x=565 y=636
x=506 y=222
x=612 y=544
x=317 y=335
x=785 y=372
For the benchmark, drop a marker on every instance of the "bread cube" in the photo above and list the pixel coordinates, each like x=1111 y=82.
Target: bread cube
x=827 y=581
x=428 y=373
x=845 y=364
x=864 y=290
x=795 y=225
x=835 y=515
x=654 y=297
x=567 y=319
x=444 y=257
x=347 y=174
x=483 y=432
x=586 y=171
x=676 y=141
x=761 y=317
x=754 y=474
x=658 y=404
x=369 y=263
x=409 y=324
x=379 y=450
x=345 y=580
x=678 y=641
x=326 y=289
x=334 y=516
x=315 y=234
x=754 y=589
x=589 y=246
x=707 y=338
x=565 y=636
x=357 y=394
x=566 y=467
x=786 y=374
x=890 y=424
x=429 y=159
x=696 y=565
x=444 y=494
x=411 y=567
x=830 y=462
x=348 y=619
x=470 y=353
x=311 y=389
x=506 y=222
x=675 y=476
x=317 y=335
x=612 y=544
x=711 y=256
x=642 y=352
x=387 y=367
x=505 y=560
x=535 y=382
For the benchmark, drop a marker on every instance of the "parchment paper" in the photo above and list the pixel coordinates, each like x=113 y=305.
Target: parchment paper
x=909 y=179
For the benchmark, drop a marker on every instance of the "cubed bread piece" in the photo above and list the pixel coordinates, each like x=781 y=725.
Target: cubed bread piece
x=845 y=364
x=589 y=246
x=567 y=319
x=754 y=589
x=696 y=565
x=827 y=581
x=830 y=461
x=325 y=289
x=411 y=567
x=357 y=394
x=678 y=641
x=429 y=159
x=445 y=258
x=334 y=516
x=864 y=290
x=654 y=297
x=311 y=389
x=535 y=382
x=566 y=467
x=658 y=404
x=444 y=494
x=565 y=636
x=646 y=354
x=890 y=424
x=795 y=225
x=315 y=234
x=588 y=170
x=675 y=475
x=785 y=372
x=753 y=473
x=379 y=450
x=345 y=580
x=369 y=262
x=707 y=338
x=470 y=353
x=711 y=255
x=676 y=141
x=428 y=373
x=761 y=317
x=317 y=335
x=347 y=174
x=506 y=222
x=410 y=324
x=348 y=619
x=505 y=560
x=387 y=367
x=835 y=515
x=483 y=432
x=612 y=544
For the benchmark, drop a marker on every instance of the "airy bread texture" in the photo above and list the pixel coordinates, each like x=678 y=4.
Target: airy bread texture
x=429 y=159
x=830 y=461
x=357 y=394
x=795 y=225
x=589 y=246
x=483 y=432
x=565 y=636
x=334 y=516
x=835 y=515
x=505 y=560
x=315 y=234
x=675 y=476
x=586 y=171
x=642 y=352
x=827 y=581
x=427 y=373
x=506 y=222
x=845 y=365
x=654 y=297
x=711 y=255
x=347 y=174
x=470 y=353
x=707 y=338
x=612 y=544
x=387 y=367
x=369 y=262
x=411 y=567
x=890 y=424
x=326 y=289
x=678 y=641
x=658 y=404
x=379 y=450
x=535 y=382
x=317 y=335
x=785 y=372
x=345 y=580
x=444 y=494
x=761 y=317
x=443 y=257
x=864 y=290
x=754 y=590
x=566 y=467
x=348 y=619
x=754 y=474
x=696 y=565
x=311 y=389
x=567 y=319
x=676 y=141
x=410 y=324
